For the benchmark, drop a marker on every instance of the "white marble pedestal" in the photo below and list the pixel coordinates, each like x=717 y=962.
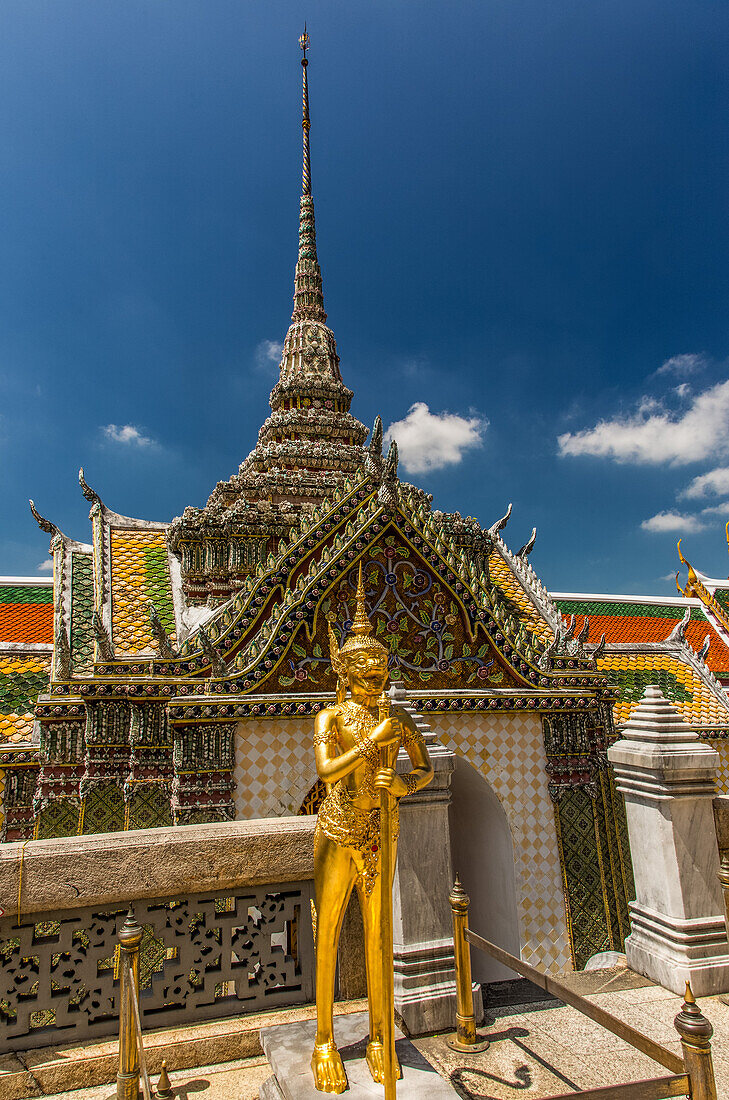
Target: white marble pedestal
x=288 y=1048
x=667 y=777
x=425 y=985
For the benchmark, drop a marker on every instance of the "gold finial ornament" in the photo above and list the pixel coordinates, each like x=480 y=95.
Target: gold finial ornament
x=361 y=624
x=688 y=591
x=304 y=41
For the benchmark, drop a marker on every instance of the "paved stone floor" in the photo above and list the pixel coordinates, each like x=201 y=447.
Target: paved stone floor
x=537 y=1050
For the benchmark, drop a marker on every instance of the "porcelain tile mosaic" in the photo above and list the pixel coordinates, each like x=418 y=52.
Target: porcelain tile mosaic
x=26 y=613
x=501 y=574
x=274 y=766
x=722 y=774
x=21 y=681
x=509 y=753
x=140 y=574
x=632 y=672
x=82 y=606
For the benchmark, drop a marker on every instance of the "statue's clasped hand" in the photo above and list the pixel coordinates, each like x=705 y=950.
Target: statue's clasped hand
x=387 y=733
x=384 y=778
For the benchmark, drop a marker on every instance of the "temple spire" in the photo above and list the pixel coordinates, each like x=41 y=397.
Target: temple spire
x=305 y=123
x=308 y=294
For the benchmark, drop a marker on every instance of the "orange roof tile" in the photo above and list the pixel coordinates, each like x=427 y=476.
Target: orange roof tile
x=26 y=622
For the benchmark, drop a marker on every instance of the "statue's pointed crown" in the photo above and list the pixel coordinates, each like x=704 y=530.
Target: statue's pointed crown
x=360 y=638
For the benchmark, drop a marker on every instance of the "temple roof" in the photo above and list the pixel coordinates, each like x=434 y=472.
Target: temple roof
x=658 y=640
x=26 y=610
x=26 y=645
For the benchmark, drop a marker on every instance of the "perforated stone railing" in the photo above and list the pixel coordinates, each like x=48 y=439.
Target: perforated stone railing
x=226 y=912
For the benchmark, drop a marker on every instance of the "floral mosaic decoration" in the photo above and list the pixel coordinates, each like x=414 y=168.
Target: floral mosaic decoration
x=416 y=617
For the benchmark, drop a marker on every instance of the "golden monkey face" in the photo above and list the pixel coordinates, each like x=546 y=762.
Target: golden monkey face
x=367 y=673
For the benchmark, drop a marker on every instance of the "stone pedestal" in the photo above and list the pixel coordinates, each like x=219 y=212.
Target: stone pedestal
x=425 y=988
x=288 y=1048
x=667 y=777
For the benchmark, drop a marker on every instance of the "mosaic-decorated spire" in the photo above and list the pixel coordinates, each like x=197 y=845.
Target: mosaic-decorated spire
x=308 y=294
x=309 y=445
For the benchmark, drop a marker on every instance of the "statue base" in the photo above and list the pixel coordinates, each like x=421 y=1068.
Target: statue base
x=288 y=1048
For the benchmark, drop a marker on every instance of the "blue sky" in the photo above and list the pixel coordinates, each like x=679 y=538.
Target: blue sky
x=522 y=223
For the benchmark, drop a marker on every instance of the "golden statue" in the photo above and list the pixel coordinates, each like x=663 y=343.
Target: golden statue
x=355 y=844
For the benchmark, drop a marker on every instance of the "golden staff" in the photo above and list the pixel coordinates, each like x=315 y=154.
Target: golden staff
x=388 y=985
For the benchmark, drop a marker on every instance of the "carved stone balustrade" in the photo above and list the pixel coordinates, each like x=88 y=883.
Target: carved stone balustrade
x=226 y=912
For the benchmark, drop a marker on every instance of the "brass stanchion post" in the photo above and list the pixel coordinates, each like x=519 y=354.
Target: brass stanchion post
x=696 y=1031
x=164 y=1085
x=465 y=1040
x=127 y=1079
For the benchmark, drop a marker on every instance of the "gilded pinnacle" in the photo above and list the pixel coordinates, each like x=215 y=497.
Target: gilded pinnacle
x=361 y=623
x=308 y=294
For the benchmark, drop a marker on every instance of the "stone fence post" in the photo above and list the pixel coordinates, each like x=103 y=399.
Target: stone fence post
x=667 y=777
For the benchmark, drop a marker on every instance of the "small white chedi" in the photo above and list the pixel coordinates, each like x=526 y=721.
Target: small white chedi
x=667 y=776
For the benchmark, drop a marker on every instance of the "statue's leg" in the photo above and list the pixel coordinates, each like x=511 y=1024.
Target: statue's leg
x=371 y=917
x=334 y=874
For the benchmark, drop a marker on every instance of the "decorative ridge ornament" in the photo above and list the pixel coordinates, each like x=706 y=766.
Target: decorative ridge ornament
x=43 y=523
x=91 y=495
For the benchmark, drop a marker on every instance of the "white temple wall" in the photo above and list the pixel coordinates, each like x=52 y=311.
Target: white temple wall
x=482 y=851
x=274 y=771
x=508 y=751
x=274 y=766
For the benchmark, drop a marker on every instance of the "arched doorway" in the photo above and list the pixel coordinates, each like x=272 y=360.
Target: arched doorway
x=483 y=855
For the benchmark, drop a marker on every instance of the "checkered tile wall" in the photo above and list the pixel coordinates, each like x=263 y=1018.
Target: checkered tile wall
x=274 y=770
x=274 y=766
x=509 y=752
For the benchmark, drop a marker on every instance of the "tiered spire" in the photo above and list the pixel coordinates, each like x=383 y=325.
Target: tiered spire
x=308 y=293
x=310 y=444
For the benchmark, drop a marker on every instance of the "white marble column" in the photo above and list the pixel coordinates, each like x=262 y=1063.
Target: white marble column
x=425 y=989
x=668 y=778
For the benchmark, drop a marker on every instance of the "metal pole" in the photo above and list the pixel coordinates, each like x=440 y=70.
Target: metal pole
x=465 y=1039
x=696 y=1031
x=386 y=868
x=127 y=1079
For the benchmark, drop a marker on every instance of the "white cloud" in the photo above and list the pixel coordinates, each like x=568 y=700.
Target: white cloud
x=716 y=509
x=672 y=521
x=127 y=434
x=715 y=483
x=45 y=566
x=682 y=365
x=430 y=441
x=654 y=434
x=268 y=356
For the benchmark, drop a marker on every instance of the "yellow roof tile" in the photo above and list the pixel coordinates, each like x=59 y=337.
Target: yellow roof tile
x=502 y=575
x=692 y=697
x=139 y=574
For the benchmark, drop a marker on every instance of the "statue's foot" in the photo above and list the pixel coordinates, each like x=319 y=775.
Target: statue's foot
x=326 y=1065
x=376 y=1062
